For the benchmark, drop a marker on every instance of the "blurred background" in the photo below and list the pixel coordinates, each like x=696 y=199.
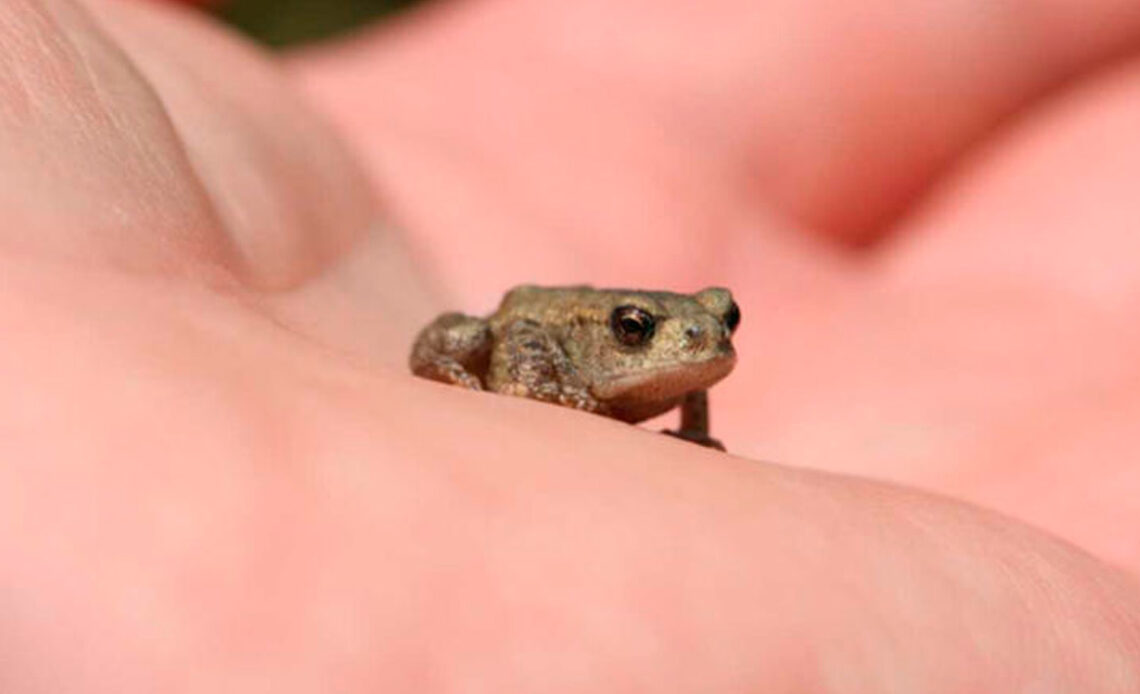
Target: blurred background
x=281 y=23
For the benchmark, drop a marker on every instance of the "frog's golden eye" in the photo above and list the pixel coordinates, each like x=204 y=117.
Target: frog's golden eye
x=632 y=326
x=732 y=317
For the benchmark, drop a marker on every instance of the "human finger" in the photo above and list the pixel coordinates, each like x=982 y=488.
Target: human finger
x=832 y=116
x=93 y=170
x=289 y=197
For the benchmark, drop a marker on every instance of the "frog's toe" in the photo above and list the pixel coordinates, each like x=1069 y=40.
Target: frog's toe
x=448 y=371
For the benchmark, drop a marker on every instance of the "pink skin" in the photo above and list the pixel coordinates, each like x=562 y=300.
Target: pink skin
x=216 y=475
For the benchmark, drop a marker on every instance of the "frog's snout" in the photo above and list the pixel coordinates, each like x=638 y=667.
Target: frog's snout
x=700 y=338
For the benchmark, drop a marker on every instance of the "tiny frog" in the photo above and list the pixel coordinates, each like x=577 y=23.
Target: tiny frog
x=630 y=355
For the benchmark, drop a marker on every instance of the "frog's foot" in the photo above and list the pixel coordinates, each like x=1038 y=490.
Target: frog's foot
x=453 y=349
x=580 y=399
x=698 y=437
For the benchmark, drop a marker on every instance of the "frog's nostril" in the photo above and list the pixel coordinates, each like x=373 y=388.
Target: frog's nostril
x=695 y=335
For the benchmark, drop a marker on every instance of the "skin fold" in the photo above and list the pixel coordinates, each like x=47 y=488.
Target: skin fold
x=217 y=475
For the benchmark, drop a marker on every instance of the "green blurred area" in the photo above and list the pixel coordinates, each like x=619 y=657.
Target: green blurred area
x=287 y=22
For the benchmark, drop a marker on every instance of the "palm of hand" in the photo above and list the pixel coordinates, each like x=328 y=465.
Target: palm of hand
x=983 y=348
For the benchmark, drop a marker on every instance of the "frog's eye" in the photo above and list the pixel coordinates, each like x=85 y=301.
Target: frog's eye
x=631 y=325
x=732 y=317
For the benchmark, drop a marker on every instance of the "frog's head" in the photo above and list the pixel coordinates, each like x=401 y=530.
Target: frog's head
x=652 y=348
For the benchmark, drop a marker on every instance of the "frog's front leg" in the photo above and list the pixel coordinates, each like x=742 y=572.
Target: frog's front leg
x=453 y=349
x=695 y=420
x=528 y=362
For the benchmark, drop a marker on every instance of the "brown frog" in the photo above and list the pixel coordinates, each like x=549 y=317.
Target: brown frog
x=630 y=355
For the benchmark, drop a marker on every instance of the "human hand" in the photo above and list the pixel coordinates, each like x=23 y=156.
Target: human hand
x=926 y=213
x=218 y=468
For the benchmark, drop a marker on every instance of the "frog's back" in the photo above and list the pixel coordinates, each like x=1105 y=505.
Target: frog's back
x=556 y=307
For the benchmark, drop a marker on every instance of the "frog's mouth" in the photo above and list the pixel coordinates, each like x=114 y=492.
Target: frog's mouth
x=664 y=384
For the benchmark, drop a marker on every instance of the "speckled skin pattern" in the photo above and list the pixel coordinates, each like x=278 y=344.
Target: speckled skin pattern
x=626 y=354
